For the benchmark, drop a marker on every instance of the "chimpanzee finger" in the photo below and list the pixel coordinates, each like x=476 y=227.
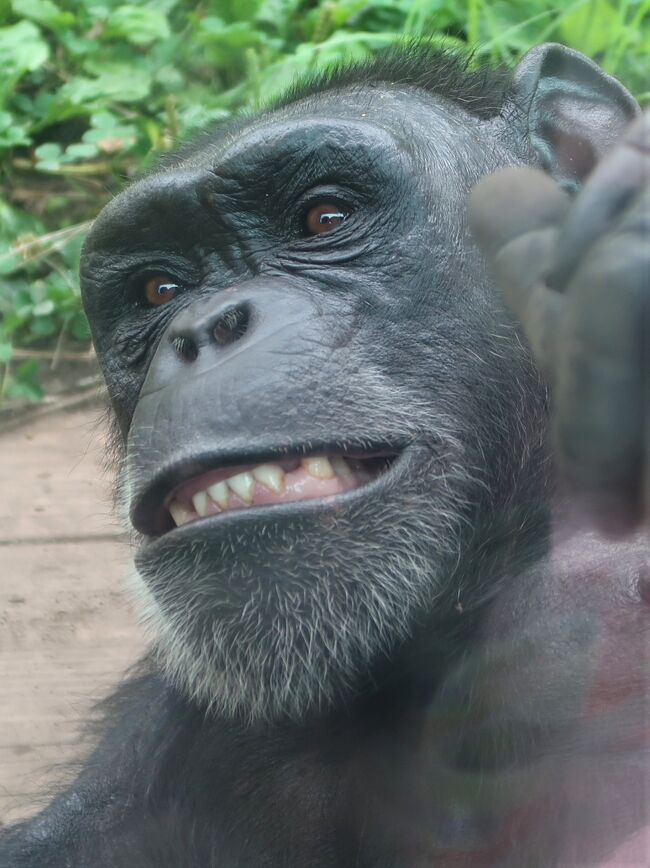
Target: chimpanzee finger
x=600 y=403
x=538 y=309
x=511 y=203
x=614 y=185
x=513 y=215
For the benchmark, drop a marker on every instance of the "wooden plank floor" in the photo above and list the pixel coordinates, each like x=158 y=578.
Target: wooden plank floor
x=67 y=631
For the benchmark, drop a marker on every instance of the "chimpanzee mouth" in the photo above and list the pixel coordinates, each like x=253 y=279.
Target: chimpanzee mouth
x=274 y=482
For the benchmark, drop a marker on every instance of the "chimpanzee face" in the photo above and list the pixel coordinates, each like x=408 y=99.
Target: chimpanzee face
x=319 y=394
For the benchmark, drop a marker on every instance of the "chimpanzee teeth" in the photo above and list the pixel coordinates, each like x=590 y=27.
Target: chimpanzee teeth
x=271 y=476
x=181 y=514
x=200 y=502
x=243 y=484
x=319 y=467
x=219 y=493
x=340 y=466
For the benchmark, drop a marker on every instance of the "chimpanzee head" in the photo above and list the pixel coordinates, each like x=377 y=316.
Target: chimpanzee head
x=323 y=405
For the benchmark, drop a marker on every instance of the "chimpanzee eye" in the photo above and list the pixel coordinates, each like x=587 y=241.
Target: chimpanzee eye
x=324 y=217
x=160 y=289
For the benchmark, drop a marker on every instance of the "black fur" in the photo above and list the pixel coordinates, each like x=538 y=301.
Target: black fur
x=399 y=680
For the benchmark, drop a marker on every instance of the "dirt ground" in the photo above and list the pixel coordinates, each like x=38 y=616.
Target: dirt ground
x=67 y=631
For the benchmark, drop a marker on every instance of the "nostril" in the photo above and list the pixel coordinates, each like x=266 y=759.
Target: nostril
x=186 y=348
x=231 y=325
x=223 y=328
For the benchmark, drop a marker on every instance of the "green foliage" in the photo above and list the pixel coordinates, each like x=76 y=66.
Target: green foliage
x=92 y=90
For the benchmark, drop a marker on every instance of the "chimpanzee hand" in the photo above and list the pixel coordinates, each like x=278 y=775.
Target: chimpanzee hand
x=576 y=274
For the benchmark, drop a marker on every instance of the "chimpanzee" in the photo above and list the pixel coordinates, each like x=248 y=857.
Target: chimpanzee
x=398 y=607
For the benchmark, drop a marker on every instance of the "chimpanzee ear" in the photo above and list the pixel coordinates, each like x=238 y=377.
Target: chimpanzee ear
x=570 y=111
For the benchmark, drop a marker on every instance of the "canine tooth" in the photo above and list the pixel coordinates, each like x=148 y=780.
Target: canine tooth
x=200 y=502
x=271 y=475
x=319 y=467
x=243 y=484
x=219 y=493
x=181 y=514
x=341 y=466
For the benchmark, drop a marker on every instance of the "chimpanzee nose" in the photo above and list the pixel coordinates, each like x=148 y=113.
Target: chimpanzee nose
x=223 y=339
x=218 y=327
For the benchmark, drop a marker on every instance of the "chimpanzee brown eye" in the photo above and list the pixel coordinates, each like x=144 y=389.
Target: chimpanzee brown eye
x=160 y=289
x=324 y=217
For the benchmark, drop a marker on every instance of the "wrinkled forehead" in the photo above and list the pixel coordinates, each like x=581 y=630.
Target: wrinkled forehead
x=380 y=135
x=386 y=118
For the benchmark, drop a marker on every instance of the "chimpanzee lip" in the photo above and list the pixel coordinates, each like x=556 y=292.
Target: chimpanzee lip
x=150 y=514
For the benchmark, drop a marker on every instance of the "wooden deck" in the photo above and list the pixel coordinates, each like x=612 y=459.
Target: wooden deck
x=67 y=631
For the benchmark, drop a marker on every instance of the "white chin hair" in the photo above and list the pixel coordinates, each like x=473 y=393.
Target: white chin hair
x=292 y=652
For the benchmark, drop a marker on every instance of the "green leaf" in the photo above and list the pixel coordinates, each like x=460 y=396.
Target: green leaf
x=230 y=36
x=137 y=24
x=80 y=151
x=43 y=327
x=170 y=78
x=44 y=308
x=589 y=27
x=195 y=116
x=309 y=57
x=119 y=84
x=22 y=49
x=273 y=13
x=9 y=262
x=96 y=11
x=79 y=328
x=6 y=353
x=48 y=151
x=103 y=120
x=44 y=11
x=12 y=134
x=49 y=157
x=48 y=166
x=212 y=24
x=127 y=134
x=24 y=382
x=75 y=45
